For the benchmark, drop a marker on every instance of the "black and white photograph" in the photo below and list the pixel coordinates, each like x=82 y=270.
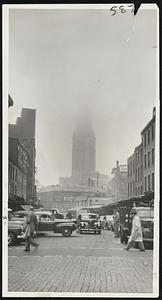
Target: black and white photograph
x=80 y=150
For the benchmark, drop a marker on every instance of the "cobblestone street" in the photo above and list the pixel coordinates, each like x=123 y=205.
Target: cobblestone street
x=81 y=263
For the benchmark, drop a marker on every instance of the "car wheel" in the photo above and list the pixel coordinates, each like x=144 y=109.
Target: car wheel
x=66 y=231
x=99 y=232
x=11 y=238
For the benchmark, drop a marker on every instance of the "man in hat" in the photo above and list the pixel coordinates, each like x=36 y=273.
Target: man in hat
x=116 y=218
x=30 y=227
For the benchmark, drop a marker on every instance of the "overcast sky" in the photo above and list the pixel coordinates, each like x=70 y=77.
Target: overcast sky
x=64 y=62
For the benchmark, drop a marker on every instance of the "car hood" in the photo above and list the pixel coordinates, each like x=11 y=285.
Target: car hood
x=147 y=219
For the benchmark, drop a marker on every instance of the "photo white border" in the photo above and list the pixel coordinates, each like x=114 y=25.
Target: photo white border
x=5 y=92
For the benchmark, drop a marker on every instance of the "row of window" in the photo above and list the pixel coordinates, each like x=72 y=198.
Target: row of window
x=149 y=160
x=138 y=156
x=138 y=174
x=132 y=190
x=12 y=189
x=12 y=172
x=149 y=182
x=148 y=136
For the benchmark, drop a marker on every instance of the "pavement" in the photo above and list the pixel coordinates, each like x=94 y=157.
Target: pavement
x=81 y=263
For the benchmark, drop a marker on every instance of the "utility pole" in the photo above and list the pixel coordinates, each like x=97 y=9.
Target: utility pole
x=97 y=178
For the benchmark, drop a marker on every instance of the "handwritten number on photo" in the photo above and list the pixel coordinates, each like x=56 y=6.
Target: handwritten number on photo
x=121 y=8
x=113 y=9
x=132 y=8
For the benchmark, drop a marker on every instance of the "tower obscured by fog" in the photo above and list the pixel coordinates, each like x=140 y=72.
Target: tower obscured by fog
x=83 y=154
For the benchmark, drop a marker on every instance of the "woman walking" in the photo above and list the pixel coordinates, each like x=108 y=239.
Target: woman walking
x=136 y=232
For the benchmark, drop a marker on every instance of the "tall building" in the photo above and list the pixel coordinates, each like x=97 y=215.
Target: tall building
x=18 y=171
x=141 y=164
x=135 y=172
x=148 y=141
x=24 y=131
x=83 y=154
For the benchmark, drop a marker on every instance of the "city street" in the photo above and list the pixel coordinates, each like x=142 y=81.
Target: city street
x=80 y=263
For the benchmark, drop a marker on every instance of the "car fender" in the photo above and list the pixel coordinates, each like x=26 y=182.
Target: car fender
x=61 y=225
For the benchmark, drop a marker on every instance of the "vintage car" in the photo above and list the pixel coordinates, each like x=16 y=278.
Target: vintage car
x=109 y=222
x=88 y=222
x=15 y=229
x=56 y=213
x=146 y=215
x=46 y=223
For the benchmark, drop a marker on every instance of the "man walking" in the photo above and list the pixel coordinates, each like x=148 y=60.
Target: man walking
x=116 y=218
x=136 y=232
x=30 y=226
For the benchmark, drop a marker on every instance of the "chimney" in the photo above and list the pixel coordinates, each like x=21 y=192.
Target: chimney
x=117 y=164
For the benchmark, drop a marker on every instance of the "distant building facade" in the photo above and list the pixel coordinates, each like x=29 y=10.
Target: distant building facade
x=69 y=197
x=141 y=164
x=119 y=182
x=24 y=131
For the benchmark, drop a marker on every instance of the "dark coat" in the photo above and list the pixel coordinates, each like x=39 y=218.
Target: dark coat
x=30 y=224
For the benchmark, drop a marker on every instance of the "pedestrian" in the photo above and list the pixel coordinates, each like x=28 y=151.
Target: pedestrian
x=116 y=218
x=136 y=232
x=53 y=216
x=30 y=227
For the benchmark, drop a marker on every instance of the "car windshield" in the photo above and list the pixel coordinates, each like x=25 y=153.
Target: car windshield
x=87 y=217
x=145 y=213
x=10 y=215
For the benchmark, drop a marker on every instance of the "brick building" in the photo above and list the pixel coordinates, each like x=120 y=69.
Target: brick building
x=148 y=141
x=141 y=164
x=135 y=172
x=18 y=170
x=24 y=132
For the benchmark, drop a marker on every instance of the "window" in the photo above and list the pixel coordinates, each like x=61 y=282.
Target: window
x=138 y=173
x=145 y=140
x=145 y=161
x=148 y=133
x=152 y=181
x=149 y=159
x=141 y=189
x=16 y=175
x=141 y=154
x=149 y=182
x=153 y=156
x=15 y=190
x=152 y=131
x=145 y=183
x=138 y=191
x=141 y=173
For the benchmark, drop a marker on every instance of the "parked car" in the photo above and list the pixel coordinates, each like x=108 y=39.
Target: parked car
x=15 y=230
x=20 y=214
x=88 y=222
x=146 y=215
x=56 y=213
x=63 y=226
x=109 y=222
